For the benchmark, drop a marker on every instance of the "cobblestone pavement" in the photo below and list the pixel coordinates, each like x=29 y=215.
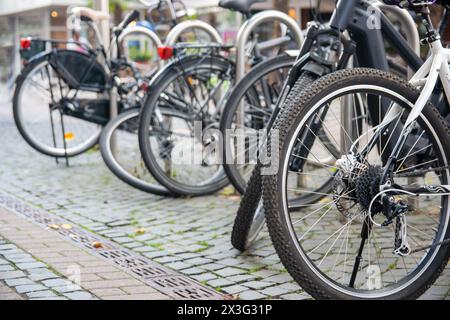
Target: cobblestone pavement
x=191 y=236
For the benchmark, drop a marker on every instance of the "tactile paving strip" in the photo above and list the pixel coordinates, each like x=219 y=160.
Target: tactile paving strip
x=165 y=280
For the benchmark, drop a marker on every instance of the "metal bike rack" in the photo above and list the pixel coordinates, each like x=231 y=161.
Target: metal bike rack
x=180 y=28
x=250 y=25
x=135 y=30
x=407 y=24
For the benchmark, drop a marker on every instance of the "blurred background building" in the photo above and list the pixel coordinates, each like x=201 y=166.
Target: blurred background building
x=47 y=19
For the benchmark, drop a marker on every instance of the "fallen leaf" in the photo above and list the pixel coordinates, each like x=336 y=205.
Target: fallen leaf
x=235 y=198
x=229 y=191
x=97 y=245
x=66 y=226
x=140 y=231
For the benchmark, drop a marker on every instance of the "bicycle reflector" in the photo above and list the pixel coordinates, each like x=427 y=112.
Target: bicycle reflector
x=165 y=53
x=25 y=43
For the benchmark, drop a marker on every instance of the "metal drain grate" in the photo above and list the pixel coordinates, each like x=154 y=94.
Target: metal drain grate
x=155 y=275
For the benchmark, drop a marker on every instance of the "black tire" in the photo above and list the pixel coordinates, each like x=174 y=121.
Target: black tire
x=288 y=248
x=115 y=166
x=239 y=91
x=189 y=65
x=241 y=238
x=29 y=69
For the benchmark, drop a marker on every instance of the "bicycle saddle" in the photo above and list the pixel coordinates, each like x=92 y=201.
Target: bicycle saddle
x=93 y=15
x=242 y=6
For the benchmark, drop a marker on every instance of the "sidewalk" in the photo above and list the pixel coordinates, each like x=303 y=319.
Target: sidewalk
x=39 y=264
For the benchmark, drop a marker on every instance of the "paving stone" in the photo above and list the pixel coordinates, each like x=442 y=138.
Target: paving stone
x=30 y=288
x=79 y=295
x=18 y=282
x=108 y=292
x=220 y=283
x=258 y=284
x=7 y=247
x=20 y=258
x=51 y=298
x=290 y=286
x=211 y=266
x=227 y=272
x=167 y=259
x=5 y=267
x=234 y=289
x=41 y=275
x=280 y=278
x=274 y=291
x=204 y=277
x=295 y=296
x=241 y=278
x=56 y=283
x=30 y=265
x=41 y=294
x=11 y=275
x=198 y=261
x=192 y=271
x=67 y=288
x=251 y=295
x=179 y=265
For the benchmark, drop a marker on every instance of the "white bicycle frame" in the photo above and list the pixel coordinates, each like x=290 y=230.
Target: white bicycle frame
x=436 y=66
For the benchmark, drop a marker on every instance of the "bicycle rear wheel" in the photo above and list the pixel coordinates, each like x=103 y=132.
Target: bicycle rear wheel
x=39 y=113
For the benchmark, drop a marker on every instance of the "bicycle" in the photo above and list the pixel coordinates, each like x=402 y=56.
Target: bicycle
x=391 y=244
x=169 y=93
x=316 y=60
x=73 y=87
x=118 y=142
x=85 y=109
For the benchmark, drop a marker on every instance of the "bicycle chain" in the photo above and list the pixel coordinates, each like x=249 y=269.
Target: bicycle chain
x=416 y=173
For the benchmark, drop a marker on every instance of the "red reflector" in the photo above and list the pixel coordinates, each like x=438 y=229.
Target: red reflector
x=25 y=43
x=165 y=53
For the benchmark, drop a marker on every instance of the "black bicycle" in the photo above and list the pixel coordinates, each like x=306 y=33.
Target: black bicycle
x=188 y=162
x=325 y=50
x=61 y=100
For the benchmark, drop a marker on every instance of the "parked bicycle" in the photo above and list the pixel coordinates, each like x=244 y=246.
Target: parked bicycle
x=197 y=86
x=73 y=87
x=393 y=243
x=325 y=50
x=70 y=93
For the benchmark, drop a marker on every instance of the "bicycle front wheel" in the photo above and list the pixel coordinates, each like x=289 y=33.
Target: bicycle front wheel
x=123 y=157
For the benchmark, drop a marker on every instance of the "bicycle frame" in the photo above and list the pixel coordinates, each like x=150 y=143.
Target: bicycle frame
x=436 y=67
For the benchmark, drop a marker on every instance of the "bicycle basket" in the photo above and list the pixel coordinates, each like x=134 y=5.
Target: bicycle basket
x=80 y=71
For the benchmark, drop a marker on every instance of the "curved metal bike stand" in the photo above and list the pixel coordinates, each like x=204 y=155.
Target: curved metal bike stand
x=180 y=28
x=249 y=26
x=407 y=25
x=114 y=110
x=135 y=30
